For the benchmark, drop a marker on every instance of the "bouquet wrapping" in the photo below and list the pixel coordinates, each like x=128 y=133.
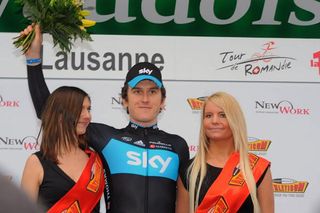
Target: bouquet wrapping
x=64 y=20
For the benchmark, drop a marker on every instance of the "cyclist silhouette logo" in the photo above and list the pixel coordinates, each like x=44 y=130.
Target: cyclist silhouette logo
x=266 y=55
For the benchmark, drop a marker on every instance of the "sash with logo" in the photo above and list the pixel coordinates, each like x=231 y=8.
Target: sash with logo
x=86 y=193
x=229 y=190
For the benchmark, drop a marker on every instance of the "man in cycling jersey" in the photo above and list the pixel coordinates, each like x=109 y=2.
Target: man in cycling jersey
x=142 y=163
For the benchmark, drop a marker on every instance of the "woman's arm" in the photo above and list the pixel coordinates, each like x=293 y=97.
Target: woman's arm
x=32 y=177
x=182 y=201
x=265 y=194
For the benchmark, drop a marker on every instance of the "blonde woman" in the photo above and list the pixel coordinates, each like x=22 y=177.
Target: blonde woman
x=223 y=176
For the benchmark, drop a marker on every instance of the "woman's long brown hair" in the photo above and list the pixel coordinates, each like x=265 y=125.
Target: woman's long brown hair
x=59 y=120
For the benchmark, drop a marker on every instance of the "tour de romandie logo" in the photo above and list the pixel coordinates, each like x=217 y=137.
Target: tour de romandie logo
x=284 y=186
x=253 y=64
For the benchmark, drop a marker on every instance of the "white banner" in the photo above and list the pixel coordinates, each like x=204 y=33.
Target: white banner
x=277 y=82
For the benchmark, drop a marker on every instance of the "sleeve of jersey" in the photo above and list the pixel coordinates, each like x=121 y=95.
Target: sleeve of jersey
x=97 y=135
x=184 y=155
x=184 y=174
x=38 y=88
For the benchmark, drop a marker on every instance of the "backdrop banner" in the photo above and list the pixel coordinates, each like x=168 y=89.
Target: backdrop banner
x=265 y=53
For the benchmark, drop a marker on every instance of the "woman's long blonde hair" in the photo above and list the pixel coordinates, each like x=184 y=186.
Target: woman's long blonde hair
x=198 y=168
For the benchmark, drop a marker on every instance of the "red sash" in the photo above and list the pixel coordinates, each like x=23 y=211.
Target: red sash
x=86 y=193
x=229 y=190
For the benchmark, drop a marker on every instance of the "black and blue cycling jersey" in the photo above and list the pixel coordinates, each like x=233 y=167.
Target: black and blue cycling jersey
x=142 y=164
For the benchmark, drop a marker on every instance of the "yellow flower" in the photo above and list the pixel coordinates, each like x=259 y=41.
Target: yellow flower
x=84 y=13
x=88 y=23
x=76 y=2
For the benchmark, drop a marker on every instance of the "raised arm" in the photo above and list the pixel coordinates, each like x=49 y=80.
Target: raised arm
x=37 y=86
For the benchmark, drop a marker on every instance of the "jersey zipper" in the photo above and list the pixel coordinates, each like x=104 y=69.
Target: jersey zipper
x=146 y=204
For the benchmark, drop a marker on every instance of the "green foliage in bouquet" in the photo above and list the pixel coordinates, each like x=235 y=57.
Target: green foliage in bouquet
x=63 y=19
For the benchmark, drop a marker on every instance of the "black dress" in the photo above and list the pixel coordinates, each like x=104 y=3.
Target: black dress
x=55 y=184
x=211 y=176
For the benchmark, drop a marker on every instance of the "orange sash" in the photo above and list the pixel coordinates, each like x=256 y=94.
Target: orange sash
x=229 y=190
x=86 y=193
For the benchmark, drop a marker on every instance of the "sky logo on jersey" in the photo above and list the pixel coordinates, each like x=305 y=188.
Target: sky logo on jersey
x=138 y=159
x=124 y=158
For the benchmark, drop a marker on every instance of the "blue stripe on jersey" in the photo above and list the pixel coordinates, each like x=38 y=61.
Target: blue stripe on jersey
x=124 y=158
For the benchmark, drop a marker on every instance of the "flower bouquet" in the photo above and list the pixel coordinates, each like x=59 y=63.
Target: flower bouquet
x=64 y=20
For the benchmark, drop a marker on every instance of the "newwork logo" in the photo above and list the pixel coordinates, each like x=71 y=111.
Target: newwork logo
x=282 y=107
x=181 y=17
x=124 y=158
x=27 y=143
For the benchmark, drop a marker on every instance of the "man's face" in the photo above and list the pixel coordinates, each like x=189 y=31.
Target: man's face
x=144 y=103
